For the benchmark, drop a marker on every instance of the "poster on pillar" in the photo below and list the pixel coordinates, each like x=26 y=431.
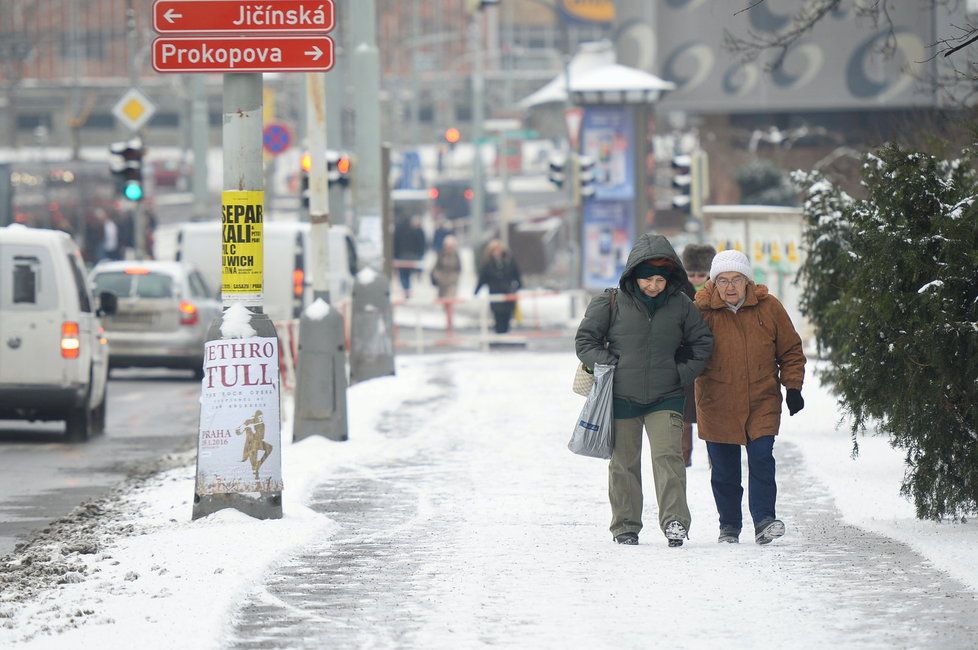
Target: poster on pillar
x=242 y=266
x=608 y=138
x=239 y=442
x=609 y=229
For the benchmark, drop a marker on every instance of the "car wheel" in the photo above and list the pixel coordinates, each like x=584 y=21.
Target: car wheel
x=78 y=424
x=98 y=416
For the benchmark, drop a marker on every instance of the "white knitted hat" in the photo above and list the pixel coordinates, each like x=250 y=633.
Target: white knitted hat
x=730 y=260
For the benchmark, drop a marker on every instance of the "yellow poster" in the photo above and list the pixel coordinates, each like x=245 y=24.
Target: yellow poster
x=242 y=266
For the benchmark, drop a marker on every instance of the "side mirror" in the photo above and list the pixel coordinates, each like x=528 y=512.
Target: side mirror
x=108 y=303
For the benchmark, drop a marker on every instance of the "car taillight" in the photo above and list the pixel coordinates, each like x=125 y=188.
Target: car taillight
x=70 y=341
x=188 y=313
x=298 y=281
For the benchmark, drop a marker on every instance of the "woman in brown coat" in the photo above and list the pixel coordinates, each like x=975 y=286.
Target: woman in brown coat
x=738 y=396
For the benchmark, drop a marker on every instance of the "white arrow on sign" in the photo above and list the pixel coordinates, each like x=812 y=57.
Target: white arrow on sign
x=171 y=15
x=315 y=53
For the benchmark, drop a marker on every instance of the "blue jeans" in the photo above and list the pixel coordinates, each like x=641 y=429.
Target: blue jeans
x=726 y=482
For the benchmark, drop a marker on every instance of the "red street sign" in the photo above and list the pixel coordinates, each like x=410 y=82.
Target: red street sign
x=242 y=16
x=267 y=54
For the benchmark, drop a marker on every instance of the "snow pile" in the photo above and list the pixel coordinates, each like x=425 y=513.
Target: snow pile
x=236 y=322
x=318 y=310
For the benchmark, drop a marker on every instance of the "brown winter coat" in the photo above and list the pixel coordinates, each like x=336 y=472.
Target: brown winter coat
x=755 y=352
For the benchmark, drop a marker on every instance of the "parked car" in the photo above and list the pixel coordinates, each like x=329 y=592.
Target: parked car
x=164 y=310
x=53 y=355
x=287 y=253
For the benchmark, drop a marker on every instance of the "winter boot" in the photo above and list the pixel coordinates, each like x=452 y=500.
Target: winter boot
x=630 y=539
x=768 y=530
x=675 y=533
x=729 y=534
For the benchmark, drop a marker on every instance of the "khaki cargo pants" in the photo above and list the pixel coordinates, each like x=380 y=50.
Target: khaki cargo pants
x=665 y=431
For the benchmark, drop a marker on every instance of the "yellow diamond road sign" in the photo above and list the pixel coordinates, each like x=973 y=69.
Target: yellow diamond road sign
x=134 y=109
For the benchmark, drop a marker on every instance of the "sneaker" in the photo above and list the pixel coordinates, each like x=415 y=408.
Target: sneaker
x=768 y=531
x=729 y=535
x=627 y=538
x=675 y=533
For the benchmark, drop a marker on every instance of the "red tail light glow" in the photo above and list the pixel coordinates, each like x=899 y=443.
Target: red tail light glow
x=432 y=193
x=70 y=341
x=188 y=313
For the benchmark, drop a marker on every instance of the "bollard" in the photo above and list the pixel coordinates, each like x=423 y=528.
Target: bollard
x=371 y=329
x=320 y=395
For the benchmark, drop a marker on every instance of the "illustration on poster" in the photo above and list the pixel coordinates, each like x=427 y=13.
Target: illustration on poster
x=254 y=432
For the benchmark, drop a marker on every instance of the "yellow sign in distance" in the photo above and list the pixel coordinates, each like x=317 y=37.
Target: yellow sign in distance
x=242 y=266
x=591 y=11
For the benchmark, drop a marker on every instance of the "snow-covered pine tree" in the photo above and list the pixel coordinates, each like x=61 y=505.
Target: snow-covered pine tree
x=891 y=284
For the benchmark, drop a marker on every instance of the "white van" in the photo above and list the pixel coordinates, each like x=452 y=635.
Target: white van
x=287 y=255
x=53 y=355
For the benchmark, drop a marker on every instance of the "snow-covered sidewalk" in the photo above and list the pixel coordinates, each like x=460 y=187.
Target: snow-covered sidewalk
x=455 y=517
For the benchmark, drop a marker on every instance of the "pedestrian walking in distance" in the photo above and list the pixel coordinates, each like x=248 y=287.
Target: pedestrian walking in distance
x=738 y=396
x=499 y=272
x=696 y=259
x=445 y=274
x=639 y=328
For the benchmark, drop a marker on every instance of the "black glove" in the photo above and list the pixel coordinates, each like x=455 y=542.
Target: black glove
x=684 y=354
x=794 y=400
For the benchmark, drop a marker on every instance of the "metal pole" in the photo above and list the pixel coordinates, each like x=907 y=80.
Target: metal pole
x=415 y=88
x=335 y=92
x=478 y=119
x=320 y=395
x=318 y=182
x=243 y=178
x=387 y=212
x=132 y=46
x=200 y=140
x=366 y=72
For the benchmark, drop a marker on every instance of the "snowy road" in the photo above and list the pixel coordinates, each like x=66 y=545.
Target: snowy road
x=455 y=517
x=42 y=477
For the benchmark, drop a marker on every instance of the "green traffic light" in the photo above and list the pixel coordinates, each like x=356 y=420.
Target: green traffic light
x=133 y=191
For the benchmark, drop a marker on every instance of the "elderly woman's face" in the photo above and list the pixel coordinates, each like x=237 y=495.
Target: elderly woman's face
x=732 y=287
x=653 y=286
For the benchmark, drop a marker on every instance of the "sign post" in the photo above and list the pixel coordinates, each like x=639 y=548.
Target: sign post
x=239 y=462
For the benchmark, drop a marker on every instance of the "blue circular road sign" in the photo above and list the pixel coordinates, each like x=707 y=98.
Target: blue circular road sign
x=276 y=138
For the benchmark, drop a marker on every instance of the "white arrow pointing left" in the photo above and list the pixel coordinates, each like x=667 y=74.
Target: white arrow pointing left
x=171 y=15
x=315 y=53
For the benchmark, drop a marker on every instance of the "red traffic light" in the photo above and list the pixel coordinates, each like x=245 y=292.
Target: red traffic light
x=343 y=165
x=452 y=135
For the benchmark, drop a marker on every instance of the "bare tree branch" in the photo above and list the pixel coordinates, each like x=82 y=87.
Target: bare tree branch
x=748 y=7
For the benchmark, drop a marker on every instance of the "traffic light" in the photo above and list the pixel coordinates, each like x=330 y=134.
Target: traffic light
x=452 y=136
x=585 y=176
x=126 y=165
x=338 y=167
x=556 y=173
x=682 y=181
x=305 y=164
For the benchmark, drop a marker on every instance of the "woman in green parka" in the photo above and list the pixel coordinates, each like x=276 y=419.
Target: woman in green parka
x=654 y=335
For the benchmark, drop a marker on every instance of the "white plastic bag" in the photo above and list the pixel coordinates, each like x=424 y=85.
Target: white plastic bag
x=594 y=434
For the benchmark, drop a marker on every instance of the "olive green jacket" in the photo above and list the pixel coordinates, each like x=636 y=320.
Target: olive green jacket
x=643 y=347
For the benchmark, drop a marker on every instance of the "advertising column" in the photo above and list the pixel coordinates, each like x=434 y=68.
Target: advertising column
x=608 y=229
